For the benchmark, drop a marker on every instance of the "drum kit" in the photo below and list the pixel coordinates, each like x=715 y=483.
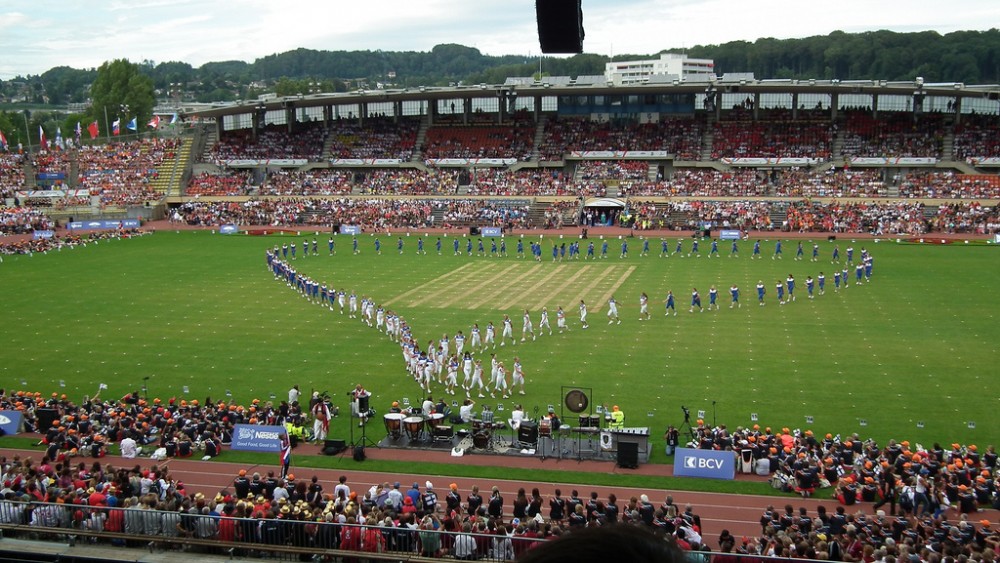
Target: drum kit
x=485 y=433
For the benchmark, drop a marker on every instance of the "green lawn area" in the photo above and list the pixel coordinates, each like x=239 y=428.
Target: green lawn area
x=912 y=354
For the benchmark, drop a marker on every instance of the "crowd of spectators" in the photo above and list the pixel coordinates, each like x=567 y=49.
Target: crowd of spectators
x=892 y=135
x=11 y=174
x=22 y=220
x=970 y=218
x=378 y=137
x=868 y=217
x=511 y=214
x=976 y=137
x=225 y=183
x=612 y=170
x=31 y=246
x=691 y=215
x=318 y=181
x=933 y=495
x=531 y=182
x=833 y=182
x=408 y=181
x=774 y=135
x=677 y=136
x=272 y=142
x=948 y=184
x=371 y=214
x=479 y=141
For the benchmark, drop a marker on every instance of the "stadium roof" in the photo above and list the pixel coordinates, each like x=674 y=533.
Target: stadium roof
x=586 y=85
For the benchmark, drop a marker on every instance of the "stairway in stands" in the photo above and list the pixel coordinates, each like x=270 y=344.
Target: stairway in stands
x=211 y=138
x=418 y=144
x=539 y=137
x=707 y=138
x=170 y=173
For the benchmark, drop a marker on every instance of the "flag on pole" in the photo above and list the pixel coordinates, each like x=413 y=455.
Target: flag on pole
x=116 y=127
x=78 y=132
x=174 y=119
x=93 y=130
x=132 y=125
x=286 y=454
x=155 y=122
x=42 y=142
x=3 y=141
x=59 y=139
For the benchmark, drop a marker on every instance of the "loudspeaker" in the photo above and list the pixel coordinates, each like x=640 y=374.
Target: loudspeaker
x=359 y=453
x=333 y=447
x=560 y=25
x=527 y=433
x=628 y=455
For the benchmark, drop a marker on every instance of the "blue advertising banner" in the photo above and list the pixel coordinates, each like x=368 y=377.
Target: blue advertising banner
x=43 y=234
x=257 y=438
x=704 y=463
x=729 y=235
x=228 y=229
x=350 y=230
x=10 y=422
x=104 y=225
x=51 y=176
x=491 y=231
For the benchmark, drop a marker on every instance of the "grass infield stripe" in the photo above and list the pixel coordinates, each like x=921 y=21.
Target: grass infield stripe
x=498 y=290
x=555 y=292
x=591 y=287
x=421 y=287
x=614 y=288
x=484 y=272
x=528 y=291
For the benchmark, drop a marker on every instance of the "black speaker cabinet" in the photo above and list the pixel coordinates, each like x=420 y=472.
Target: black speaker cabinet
x=527 y=433
x=560 y=25
x=333 y=447
x=628 y=455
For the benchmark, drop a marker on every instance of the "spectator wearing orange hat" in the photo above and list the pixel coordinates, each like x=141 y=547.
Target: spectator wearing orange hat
x=241 y=485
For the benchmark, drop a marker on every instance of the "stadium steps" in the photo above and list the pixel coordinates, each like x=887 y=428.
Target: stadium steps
x=612 y=189
x=29 y=176
x=418 y=143
x=327 y=143
x=837 y=150
x=211 y=138
x=536 y=213
x=539 y=137
x=778 y=215
x=170 y=175
x=652 y=172
x=707 y=139
x=948 y=145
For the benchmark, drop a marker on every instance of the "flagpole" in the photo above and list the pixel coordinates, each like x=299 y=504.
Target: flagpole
x=27 y=130
x=107 y=126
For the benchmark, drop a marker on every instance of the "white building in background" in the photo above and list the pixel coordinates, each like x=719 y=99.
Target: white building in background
x=670 y=66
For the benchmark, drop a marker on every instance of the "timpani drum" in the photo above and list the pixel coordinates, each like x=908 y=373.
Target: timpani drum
x=433 y=421
x=413 y=425
x=394 y=424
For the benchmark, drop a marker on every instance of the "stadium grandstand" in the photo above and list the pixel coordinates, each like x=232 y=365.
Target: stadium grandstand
x=799 y=153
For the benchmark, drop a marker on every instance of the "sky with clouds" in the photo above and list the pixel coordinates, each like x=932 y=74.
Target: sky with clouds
x=40 y=34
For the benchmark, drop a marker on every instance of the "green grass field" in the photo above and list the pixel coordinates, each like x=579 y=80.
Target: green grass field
x=914 y=353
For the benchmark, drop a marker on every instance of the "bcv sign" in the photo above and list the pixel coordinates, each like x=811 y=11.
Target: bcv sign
x=710 y=464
